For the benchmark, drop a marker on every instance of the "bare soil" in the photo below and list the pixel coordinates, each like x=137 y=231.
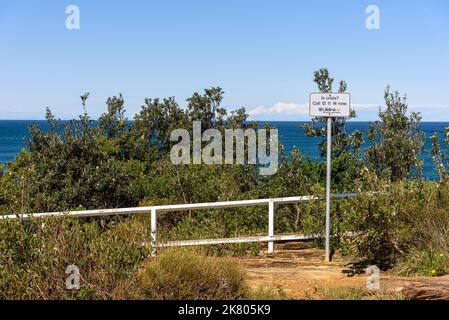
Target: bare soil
x=301 y=273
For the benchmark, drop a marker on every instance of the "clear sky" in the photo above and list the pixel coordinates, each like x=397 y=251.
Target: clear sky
x=262 y=53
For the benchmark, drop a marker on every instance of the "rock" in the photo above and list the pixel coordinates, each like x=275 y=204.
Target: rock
x=430 y=289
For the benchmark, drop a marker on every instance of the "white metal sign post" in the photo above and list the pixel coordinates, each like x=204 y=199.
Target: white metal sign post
x=329 y=105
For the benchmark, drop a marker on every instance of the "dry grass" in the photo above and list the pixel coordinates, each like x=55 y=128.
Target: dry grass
x=187 y=274
x=358 y=293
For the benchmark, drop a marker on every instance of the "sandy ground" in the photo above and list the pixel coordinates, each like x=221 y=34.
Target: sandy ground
x=301 y=272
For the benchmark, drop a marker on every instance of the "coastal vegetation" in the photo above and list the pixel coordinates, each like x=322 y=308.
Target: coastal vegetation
x=402 y=220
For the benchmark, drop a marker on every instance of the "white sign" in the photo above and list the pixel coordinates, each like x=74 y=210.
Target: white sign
x=329 y=104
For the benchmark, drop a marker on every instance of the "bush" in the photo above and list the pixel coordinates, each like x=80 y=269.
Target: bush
x=183 y=274
x=396 y=140
x=357 y=293
x=406 y=223
x=373 y=217
x=426 y=262
x=35 y=254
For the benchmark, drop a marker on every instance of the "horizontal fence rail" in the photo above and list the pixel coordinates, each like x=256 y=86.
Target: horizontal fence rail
x=153 y=210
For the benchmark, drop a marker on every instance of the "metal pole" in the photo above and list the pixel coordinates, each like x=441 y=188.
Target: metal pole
x=328 y=188
x=153 y=231
x=270 y=225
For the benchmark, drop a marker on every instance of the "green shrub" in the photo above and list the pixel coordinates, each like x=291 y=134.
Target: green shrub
x=406 y=223
x=357 y=294
x=35 y=254
x=267 y=293
x=426 y=262
x=183 y=274
x=396 y=141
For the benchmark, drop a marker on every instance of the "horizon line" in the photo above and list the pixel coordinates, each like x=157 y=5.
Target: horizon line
x=131 y=120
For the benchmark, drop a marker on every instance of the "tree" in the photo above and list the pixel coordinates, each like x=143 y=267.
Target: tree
x=441 y=158
x=342 y=142
x=69 y=168
x=345 y=146
x=207 y=108
x=113 y=122
x=396 y=140
x=114 y=130
x=152 y=128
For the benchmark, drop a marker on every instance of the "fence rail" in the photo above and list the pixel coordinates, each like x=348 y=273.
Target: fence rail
x=153 y=210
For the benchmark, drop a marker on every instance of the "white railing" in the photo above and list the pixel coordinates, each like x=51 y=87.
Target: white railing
x=270 y=238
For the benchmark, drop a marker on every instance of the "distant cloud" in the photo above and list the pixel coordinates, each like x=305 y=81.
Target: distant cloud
x=281 y=108
x=367 y=106
x=285 y=111
x=438 y=113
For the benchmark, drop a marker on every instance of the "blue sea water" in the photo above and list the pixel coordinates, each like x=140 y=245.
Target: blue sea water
x=13 y=134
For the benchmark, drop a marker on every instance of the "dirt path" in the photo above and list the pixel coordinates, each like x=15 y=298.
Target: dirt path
x=301 y=273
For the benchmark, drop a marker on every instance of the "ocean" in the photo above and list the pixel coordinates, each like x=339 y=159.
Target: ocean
x=13 y=134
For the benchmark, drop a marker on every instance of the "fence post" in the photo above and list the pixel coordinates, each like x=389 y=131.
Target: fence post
x=153 y=231
x=270 y=225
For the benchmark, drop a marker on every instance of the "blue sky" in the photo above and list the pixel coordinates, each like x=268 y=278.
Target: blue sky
x=262 y=53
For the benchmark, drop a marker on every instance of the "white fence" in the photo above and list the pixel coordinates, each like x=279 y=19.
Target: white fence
x=154 y=210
